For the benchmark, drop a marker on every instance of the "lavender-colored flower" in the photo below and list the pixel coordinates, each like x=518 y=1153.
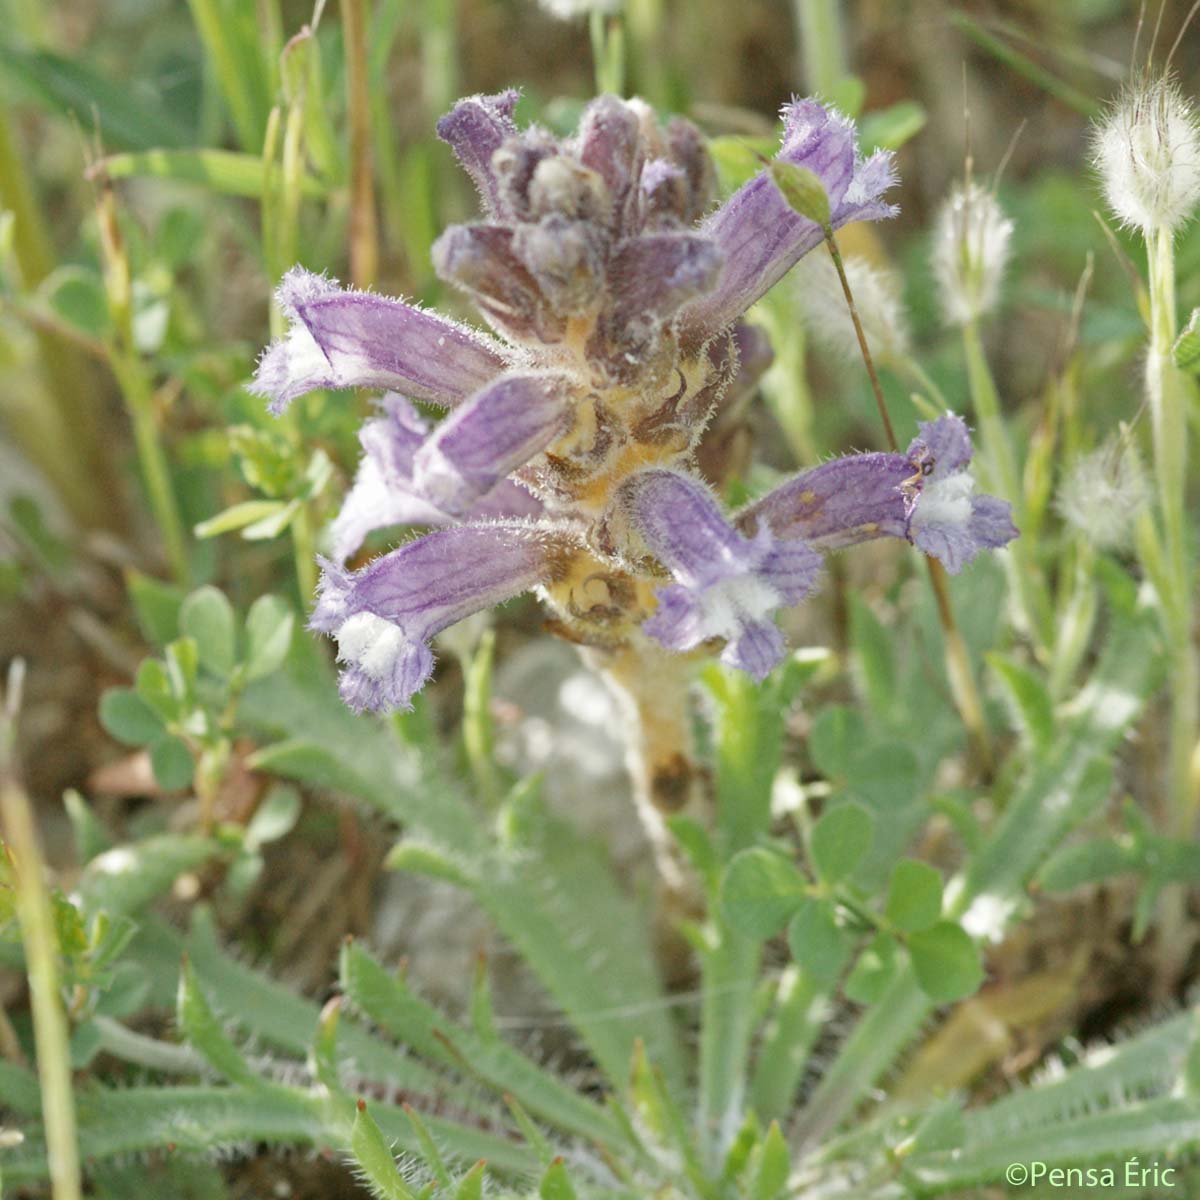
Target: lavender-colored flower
x=926 y=496
x=726 y=585
x=761 y=237
x=384 y=616
x=385 y=492
x=344 y=339
x=620 y=370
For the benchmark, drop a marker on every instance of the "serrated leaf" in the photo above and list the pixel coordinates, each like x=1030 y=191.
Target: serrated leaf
x=946 y=961
x=760 y=891
x=470 y=1187
x=205 y=1033
x=556 y=1183
x=816 y=942
x=172 y=763
x=269 y=626
x=207 y=618
x=841 y=840
x=375 y=1159
x=128 y=717
x=914 y=899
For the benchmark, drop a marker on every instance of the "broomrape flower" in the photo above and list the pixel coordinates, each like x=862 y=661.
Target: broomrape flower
x=586 y=429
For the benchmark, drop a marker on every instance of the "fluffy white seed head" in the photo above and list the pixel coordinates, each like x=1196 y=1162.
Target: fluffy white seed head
x=1102 y=496
x=970 y=252
x=1148 y=154
x=876 y=296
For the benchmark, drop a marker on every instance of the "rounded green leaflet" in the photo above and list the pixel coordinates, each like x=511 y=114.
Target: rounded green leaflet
x=914 y=899
x=816 y=942
x=128 y=717
x=946 y=961
x=840 y=841
x=207 y=617
x=760 y=891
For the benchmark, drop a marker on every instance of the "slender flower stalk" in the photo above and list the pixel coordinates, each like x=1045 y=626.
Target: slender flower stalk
x=1147 y=152
x=585 y=433
x=364 y=221
x=41 y=955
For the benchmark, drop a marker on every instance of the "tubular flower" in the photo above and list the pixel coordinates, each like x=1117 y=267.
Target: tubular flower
x=584 y=431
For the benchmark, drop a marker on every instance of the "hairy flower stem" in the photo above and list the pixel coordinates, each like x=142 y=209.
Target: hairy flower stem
x=1165 y=390
x=822 y=52
x=652 y=687
x=364 y=225
x=41 y=956
x=1000 y=469
x=958 y=660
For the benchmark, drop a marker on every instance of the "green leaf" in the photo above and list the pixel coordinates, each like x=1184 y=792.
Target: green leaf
x=470 y=1186
x=771 y=1175
x=816 y=942
x=126 y=878
x=1187 y=347
x=205 y=1033
x=156 y=604
x=91 y=837
x=838 y=734
x=840 y=840
x=274 y=818
x=760 y=891
x=123 y=111
x=889 y=128
x=873 y=971
x=1028 y=697
x=375 y=1159
x=183 y=662
x=172 y=763
x=1086 y=862
x=153 y=685
x=223 y=171
x=269 y=626
x=128 y=717
x=875 y=666
x=238 y=516
x=946 y=961
x=556 y=1183
x=207 y=617
x=914 y=899
x=77 y=296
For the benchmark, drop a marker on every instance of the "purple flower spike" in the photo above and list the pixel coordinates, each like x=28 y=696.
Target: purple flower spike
x=498 y=430
x=948 y=520
x=762 y=238
x=475 y=128
x=384 y=493
x=384 y=616
x=344 y=339
x=726 y=585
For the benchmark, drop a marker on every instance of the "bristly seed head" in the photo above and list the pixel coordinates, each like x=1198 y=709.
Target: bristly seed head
x=970 y=252
x=1103 y=495
x=1147 y=151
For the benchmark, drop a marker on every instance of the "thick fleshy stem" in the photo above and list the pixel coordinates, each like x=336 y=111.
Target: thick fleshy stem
x=1165 y=389
x=958 y=660
x=652 y=688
